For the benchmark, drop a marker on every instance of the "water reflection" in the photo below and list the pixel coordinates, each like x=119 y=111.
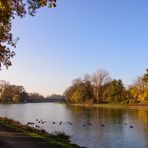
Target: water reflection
x=117 y=131
x=107 y=128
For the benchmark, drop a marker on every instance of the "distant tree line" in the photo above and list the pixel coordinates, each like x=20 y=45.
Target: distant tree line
x=12 y=93
x=17 y=94
x=36 y=97
x=101 y=88
x=96 y=88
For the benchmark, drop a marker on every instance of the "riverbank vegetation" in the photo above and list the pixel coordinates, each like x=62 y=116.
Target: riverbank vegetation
x=57 y=140
x=91 y=89
x=101 y=88
x=17 y=94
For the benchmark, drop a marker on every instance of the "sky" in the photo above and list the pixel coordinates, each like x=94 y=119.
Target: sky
x=79 y=37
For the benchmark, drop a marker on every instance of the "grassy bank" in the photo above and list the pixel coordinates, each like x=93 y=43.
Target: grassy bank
x=113 y=105
x=60 y=140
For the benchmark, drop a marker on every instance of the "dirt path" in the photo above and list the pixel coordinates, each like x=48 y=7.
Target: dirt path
x=12 y=139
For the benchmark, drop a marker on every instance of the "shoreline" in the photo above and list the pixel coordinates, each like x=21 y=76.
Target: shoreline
x=128 y=106
x=35 y=138
x=89 y=105
x=107 y=104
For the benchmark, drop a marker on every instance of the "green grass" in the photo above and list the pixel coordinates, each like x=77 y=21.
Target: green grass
x=59 y=139
x=119 y=105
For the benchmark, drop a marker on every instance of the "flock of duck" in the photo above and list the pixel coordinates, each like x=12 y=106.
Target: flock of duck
x=61 y=122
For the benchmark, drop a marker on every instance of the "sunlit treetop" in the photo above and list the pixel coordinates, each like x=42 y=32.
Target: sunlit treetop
x=9 y=9
x=146 y=76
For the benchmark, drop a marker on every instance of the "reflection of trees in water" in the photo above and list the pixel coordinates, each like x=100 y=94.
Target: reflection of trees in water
x=143 y=116
x=143 y=121
x=140 y=118
x=114 y=115
x=100 y=114
x=114 y=120
x=80 y=112
x=96 y=114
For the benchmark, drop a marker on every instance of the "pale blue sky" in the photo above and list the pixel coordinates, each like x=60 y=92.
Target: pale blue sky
x=78 y=37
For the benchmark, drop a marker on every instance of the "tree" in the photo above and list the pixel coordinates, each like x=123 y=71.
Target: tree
x=9 y=9
x=115 y=92
x=99 y=88
x=6 y=93
x=55 y=96
x=139 y=90
x=35 y=96
x=145 y=78
x=80 y=92
x=19 y=94
x=12 y=93
x=100 y=78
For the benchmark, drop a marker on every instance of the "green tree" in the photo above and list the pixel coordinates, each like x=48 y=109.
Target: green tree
x=115 y=92
x=80 y=92
x=9 y=9
x=145 y=78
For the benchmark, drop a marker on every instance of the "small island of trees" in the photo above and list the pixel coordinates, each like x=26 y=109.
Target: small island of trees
x=101 y=88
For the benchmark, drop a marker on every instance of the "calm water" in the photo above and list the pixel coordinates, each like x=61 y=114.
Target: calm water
x=115 y=134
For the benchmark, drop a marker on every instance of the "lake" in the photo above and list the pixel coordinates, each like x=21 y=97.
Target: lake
x=110 y=125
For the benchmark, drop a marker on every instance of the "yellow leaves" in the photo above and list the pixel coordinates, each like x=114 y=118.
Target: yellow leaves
x=2 y=7
x=134 y=91
x=139 y=90
x=16 y=98
x=142 y=96
x=75 y=96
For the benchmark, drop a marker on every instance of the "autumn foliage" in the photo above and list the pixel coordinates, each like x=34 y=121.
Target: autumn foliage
x=101 y=88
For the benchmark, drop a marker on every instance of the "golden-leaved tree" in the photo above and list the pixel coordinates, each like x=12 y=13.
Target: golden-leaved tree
x=139 y=90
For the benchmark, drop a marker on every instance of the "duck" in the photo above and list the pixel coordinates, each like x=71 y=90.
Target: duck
x=31 y=123
x=102 y=125
x=60 y=123
x=89 y=123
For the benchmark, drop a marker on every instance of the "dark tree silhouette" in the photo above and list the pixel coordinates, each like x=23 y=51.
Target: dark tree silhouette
x=9 y=9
